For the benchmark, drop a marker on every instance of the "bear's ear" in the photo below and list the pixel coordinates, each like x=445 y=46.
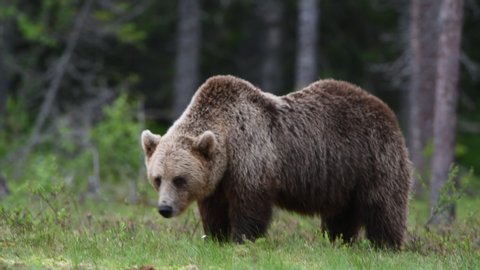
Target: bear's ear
x=149 y=142
x=205 y=143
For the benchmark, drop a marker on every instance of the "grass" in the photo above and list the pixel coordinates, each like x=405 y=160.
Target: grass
x=48 y=229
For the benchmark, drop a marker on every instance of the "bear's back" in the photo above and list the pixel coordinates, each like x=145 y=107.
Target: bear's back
x=342 y=98
x=336 y=132
x=337 y=106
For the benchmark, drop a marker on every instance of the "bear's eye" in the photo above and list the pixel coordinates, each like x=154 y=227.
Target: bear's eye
x=179 y=181
x=157 y=181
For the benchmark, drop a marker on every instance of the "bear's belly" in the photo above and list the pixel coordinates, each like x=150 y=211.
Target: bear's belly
x=307 y=205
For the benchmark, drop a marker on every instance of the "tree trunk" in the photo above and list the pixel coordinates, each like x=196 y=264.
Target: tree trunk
x=306 y=66
x=423 y=59
x=4 y=76
x=445 y=120
x=271 y=12
x=3 y=102
x=187 y=56
x=3 y=89
x=3 y=187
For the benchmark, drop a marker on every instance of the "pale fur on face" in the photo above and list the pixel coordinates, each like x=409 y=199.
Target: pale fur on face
x=188 y=158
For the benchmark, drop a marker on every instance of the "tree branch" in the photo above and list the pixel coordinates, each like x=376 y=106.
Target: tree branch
x=471 y=66
x=59 y=72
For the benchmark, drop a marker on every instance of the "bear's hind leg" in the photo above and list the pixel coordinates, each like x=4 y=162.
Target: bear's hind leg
x=344 y=226
x=385 y=224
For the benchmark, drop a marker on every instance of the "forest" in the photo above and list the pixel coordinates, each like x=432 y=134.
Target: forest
x=81 y=79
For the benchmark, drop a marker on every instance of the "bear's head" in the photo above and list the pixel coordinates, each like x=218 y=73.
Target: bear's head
x=182 y=169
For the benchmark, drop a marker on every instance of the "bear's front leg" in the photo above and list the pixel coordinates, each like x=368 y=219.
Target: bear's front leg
x=250 y=215
x=214 y=214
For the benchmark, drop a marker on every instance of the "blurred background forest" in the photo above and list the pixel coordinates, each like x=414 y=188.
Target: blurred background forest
x=80 y=79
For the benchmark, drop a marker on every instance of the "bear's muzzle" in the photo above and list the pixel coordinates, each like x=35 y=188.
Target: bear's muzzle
x=165 y=210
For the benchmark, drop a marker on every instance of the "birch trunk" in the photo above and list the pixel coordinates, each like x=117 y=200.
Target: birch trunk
x=446 y=93
x=423 y=59
x=271 y=12
x=187 y=55
x=306 y=66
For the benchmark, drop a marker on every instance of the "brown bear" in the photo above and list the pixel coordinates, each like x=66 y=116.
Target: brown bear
x=331 y=149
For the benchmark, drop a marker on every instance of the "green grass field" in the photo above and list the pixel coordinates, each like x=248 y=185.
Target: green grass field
x=51 y=230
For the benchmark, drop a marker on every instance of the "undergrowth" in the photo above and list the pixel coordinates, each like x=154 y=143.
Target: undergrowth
x=46 y=227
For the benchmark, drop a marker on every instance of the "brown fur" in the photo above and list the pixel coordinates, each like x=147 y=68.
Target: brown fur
x=330 y=149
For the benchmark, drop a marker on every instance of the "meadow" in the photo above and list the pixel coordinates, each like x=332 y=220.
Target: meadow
x=50 y=228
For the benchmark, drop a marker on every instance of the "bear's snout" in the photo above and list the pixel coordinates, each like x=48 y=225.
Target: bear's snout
x=165 y=210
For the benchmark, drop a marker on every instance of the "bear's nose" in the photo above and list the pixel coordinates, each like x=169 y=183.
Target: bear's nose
x=165 y=211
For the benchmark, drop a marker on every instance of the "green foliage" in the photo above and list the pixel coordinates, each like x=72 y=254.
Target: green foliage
x=450 y=193
x=7 y=12
x=38 y=27
x=33 y=31
x=41 y=176
x=112 y=143
x=453 y=189
x=467 y=180
x=130 y=33
x=15 y=125
x=116 y=138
